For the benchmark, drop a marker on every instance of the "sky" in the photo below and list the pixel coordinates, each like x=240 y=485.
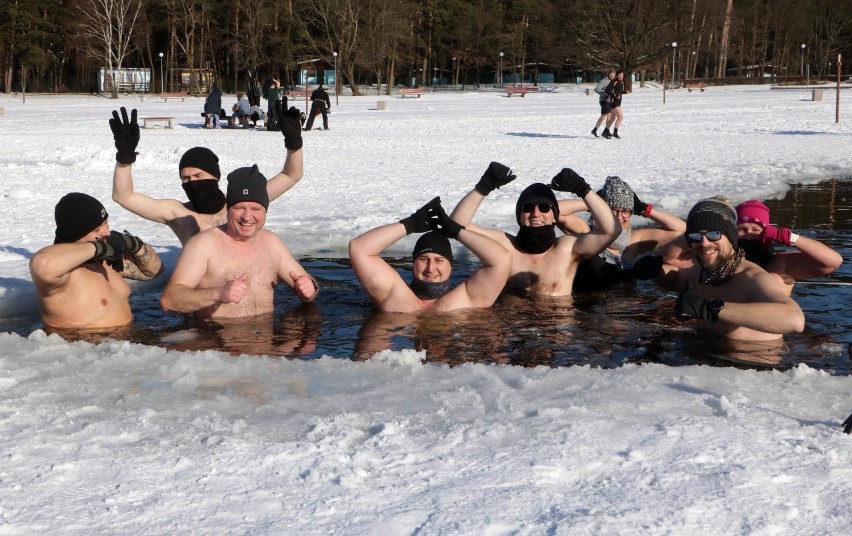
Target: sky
x=122 y=438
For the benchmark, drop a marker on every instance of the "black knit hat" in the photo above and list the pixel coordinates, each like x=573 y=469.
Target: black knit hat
x=433 y=242
x=537 y=193
x=247 y=184
x=713 y=215
x=201 y=158
x=76 y=216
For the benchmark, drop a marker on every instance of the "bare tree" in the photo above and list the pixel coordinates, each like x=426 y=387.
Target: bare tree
x=109 y=26
x=333 y=26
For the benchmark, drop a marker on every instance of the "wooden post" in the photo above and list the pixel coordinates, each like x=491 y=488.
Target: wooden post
x=837 y=100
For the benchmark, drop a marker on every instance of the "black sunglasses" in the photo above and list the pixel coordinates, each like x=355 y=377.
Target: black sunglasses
x=544 y=208
x=713 y=236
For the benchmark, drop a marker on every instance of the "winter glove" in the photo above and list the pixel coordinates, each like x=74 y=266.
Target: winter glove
x=290 y=126
x=782 y=235
x=640 y=208
x=647 y=267
x=495 y=176
x=847 y=425
x=126 y=135
x=440 y=221
x=104 y=251
x=690 y=304
x=125 y=242
x=567 y=180
x=418 y=222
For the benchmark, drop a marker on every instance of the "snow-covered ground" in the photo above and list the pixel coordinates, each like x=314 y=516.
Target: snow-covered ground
x=120 y=438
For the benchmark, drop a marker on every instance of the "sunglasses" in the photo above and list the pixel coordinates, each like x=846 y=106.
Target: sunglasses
x=544 y=208
x=713 y=236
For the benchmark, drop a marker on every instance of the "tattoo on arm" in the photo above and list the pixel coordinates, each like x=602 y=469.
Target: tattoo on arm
x=143 y=266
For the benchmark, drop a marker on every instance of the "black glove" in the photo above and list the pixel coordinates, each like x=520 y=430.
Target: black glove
x=647 y=267
x=640 y=208
x=690 y=304
x=440 y=221
x=495 y=176
x=418 y=222
x=126 y=135
x=847 y=425
x=125 y=242
x=104 y=251
x=567 y=180
x=290 y=126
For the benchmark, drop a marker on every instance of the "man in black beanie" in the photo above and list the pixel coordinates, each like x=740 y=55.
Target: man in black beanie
x=230 y=271
x=79 y=280
x=542 y=263
x=728 y=295
x=199 y=174
x=430 y=288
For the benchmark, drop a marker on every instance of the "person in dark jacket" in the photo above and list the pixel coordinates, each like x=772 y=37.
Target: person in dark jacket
x=321 y=105
x=615 y=90
x=213 y=107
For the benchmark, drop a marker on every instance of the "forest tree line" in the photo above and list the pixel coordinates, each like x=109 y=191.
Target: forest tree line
x=60 y=45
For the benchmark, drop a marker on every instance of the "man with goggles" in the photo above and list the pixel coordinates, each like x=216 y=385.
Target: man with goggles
x=542 y=264
x=728 y=295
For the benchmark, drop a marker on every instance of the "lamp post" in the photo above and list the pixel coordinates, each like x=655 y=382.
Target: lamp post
x=501 y=70
x=455 y=80
x=336 y=92
x=161 y=73
x=804 y=46
x=674 y=50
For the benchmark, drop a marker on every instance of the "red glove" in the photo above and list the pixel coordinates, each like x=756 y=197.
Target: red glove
x=774 y=234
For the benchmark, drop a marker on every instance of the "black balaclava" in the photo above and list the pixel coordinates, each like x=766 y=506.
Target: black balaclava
x=536 y=239
x=204 y=195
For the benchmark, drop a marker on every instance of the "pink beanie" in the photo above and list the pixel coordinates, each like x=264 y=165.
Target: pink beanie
x=753 y=211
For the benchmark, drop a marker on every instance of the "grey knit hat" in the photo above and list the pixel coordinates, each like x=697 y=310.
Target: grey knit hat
x=618 y=194
x=713 y=215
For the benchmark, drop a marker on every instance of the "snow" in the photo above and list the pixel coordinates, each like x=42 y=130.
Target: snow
x=121 y=438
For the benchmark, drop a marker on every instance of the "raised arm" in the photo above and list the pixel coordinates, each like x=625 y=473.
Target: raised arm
x=495 y=176
x=568 y=221
x=670 y=226
x=293 y=169
x=813 y=259
x=125 y=133
x=607 y=226
x=50 y=266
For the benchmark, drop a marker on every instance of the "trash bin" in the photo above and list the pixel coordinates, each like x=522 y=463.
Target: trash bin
x=380 y=105
x=816 y=95
x=588 y=91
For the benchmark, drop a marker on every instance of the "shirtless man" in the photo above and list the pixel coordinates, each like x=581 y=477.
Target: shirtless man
x=230 y=271
x=79 y=280
x=199 y=173
x=730 y=296
x=542 y=264
x=430 y=289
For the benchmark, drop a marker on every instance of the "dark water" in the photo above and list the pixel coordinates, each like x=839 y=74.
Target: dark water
x=628 y=324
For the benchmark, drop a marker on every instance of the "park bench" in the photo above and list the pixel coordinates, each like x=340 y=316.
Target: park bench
x=519 y=90
x=696 y=85
x=417 y=91
x=167 y=120
x=299 y=94
x=178 y=95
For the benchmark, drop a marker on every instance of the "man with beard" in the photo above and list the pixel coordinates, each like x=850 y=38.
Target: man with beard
x=430 y=288
x=231 y=271
x=542 y=264
x=756 y=236
x=79 y=280
x=199 y=173
x=729 y=295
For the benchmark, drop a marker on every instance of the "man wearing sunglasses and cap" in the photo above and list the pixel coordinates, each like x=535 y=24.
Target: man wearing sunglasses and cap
x=542 y=264
x=728 y=295
x=199 y=175
x=79 y=280
x=430 y=288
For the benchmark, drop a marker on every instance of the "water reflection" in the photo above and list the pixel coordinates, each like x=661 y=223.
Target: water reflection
x=629 y=324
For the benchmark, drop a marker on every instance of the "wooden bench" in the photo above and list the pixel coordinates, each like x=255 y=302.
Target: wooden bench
x=410 y=91
x=299 y=94
x=697 y=85
x=179 y=95
x=167 y=120
x=519 y=90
